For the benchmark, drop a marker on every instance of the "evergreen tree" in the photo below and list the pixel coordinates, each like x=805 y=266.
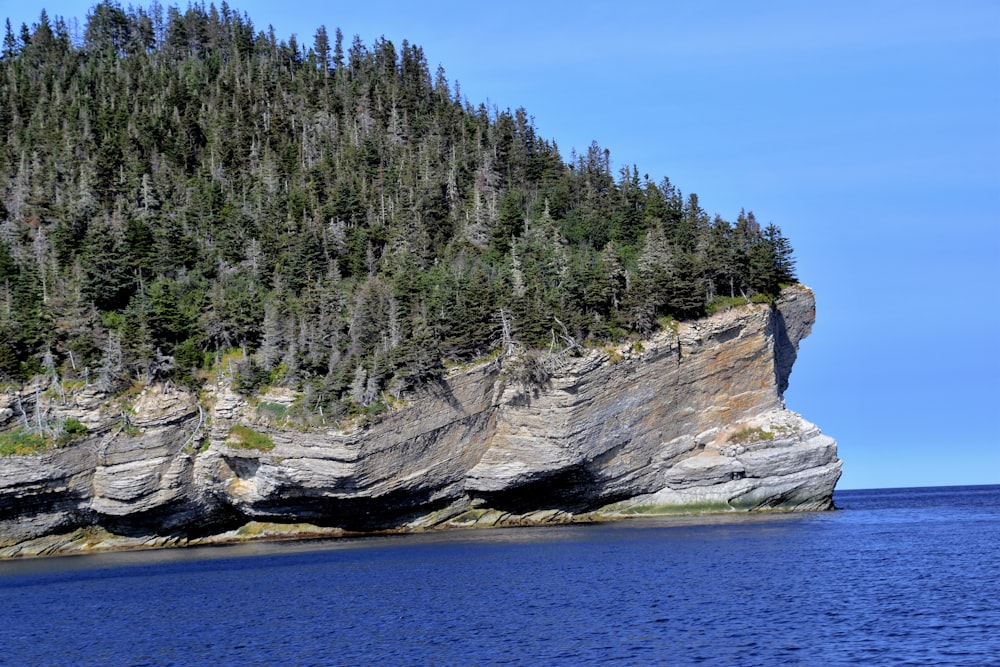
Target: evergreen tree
x=108 y=280
x=781 y=248
x=180 y=183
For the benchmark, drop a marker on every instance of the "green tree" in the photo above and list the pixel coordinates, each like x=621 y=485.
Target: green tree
x=179 y=182
x=108 y=279
x=784 y=261
x=168 y=323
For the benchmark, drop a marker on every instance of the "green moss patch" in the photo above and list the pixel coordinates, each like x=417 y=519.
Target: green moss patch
x=244 y=437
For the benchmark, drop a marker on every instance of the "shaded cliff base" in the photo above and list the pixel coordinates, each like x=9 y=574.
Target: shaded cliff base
x=95 y=540
x=717 y=481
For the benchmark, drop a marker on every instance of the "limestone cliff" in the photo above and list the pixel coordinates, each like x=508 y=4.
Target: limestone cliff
x=691 y=419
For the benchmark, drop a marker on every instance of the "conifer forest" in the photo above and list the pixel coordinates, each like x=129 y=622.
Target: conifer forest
x=181 y=190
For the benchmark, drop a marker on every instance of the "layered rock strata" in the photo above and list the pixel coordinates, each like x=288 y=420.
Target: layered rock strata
x=692 y=419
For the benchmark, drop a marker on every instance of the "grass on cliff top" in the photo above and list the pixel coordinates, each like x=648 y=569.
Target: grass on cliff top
x=25 y=443
x=21 y=443
x=721 y=303
x=750 y=434
x=244 y=437
x=273 y=411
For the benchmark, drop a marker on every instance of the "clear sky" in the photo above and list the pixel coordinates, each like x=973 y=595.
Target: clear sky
x=868 y=130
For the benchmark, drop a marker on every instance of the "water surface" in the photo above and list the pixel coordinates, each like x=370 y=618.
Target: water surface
x=894 y=577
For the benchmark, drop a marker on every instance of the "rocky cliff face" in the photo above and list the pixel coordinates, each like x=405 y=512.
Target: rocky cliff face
x=690 y=420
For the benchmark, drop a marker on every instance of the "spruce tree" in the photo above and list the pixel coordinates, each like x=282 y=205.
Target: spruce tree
x=181 y=183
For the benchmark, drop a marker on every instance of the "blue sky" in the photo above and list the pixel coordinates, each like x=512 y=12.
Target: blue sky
x=868 y=130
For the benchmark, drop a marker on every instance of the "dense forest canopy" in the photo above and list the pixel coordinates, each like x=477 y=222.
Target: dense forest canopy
x=175 y=185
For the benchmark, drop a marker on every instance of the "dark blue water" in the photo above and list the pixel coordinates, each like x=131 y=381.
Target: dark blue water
x=895 y=577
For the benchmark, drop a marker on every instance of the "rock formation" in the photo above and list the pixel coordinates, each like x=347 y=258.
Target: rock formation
x=690 y=420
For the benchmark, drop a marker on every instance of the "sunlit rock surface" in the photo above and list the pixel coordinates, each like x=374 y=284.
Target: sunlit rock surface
x=689 y=420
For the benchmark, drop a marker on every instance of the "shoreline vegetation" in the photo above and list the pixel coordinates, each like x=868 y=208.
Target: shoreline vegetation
x=177 y=185
x=34 y=430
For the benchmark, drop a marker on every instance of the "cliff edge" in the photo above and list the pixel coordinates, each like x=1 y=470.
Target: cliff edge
x=692 y=419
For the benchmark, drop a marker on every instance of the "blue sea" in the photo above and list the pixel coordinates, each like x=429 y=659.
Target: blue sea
x=893 y=577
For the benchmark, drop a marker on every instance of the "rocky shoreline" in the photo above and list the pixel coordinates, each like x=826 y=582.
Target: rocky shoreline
x=691 y=420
